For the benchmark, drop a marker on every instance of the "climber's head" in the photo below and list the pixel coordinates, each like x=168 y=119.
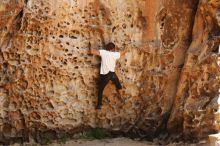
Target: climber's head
x=110 y=46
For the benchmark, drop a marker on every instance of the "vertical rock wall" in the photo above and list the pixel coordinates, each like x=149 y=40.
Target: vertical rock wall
x=49 y=81
x=198 y=88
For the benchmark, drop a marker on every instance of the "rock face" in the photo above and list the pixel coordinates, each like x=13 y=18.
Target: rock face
x=169 y=74
x=197 y=94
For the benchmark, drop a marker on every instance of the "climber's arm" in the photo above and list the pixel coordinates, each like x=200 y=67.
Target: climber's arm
x=94 y=52
x=122 y=53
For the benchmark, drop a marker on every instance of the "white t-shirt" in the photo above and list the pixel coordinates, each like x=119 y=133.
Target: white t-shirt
x=108 y=61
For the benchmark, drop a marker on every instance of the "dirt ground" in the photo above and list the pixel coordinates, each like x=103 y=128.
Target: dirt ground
x=106 y=142
x=110 y=142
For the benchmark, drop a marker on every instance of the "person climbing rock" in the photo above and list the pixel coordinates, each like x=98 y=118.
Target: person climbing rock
x=109 y=56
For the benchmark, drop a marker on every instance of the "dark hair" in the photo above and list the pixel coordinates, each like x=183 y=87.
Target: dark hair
x=110 y=46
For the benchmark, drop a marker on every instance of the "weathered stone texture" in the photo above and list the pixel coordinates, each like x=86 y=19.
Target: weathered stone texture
x=197 y=94
x=49 y=81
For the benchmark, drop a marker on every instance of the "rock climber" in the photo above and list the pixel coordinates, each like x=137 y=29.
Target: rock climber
x=109 y=55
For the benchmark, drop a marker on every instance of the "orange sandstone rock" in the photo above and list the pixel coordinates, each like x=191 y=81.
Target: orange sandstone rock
x=49 y=81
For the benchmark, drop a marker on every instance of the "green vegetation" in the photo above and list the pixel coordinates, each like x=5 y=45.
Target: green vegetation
x=97 y=133
x=46 y=137
x=63 y=139
x=46 y=140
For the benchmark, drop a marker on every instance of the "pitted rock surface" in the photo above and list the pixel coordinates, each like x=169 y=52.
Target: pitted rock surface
x=169 y=73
